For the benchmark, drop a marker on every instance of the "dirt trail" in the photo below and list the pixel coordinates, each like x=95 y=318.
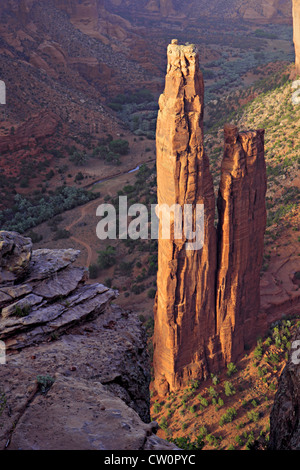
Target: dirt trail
x=83 y=212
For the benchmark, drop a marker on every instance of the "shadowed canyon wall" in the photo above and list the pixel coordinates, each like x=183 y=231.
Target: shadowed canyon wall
x=296 y=20
x=207 y=299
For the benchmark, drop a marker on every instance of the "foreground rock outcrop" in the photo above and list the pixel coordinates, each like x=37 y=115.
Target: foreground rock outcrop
x=296 y=22
x=285 y=415
x=208 y=298
x=77 y=373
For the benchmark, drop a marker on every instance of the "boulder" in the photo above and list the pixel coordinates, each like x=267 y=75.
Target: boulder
x=15 y=256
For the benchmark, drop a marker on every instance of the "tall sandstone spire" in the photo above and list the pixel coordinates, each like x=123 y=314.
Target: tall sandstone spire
x=241 y=228
x=207 y=299
x=185 y=302
x=296 y=22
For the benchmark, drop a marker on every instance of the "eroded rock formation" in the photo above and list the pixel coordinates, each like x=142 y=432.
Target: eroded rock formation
x=77 y=372
x=296 y=22
x=185 y=303
x=205 y=309
x=242 y=224
x=29 y=133
x=285 y=415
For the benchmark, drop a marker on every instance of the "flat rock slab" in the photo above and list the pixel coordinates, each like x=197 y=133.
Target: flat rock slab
x=100 y=396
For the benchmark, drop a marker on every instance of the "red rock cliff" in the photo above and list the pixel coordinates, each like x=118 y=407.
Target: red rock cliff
x=296 y=21
x=242 y=223
x=184 y=314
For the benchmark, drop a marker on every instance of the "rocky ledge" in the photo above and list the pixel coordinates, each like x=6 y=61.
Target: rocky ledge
x=76 y=371
x=285 y=415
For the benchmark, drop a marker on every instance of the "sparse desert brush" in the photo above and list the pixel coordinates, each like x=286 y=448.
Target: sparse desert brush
x=229 y=389
x=228 y=416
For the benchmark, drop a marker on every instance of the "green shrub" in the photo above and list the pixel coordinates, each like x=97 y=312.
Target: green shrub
x=228 y=416
x=108 y=282
x=119 y=146
x=212 y=392
x=231 y=369
x=193 y=409
x=202 y=400
x=151 y=293
x=61 y=234
x=163 y=423
x=107 y=257
x=258 y=352
x=229 y=389
x=156 y=407
x=93 y=271
x=253 y=416
x=45 y=382
x=185 y=443
x=22 y=311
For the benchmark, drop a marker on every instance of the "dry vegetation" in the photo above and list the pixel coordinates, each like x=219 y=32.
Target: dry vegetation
x=229 y=411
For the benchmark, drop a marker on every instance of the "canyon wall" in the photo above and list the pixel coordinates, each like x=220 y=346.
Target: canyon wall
x=296 y=22
x=207 y=299
x=258 y=11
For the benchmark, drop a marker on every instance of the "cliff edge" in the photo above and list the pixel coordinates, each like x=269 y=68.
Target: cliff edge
x=74 y=369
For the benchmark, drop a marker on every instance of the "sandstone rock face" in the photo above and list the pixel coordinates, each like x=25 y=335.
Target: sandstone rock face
x=242 y=223
x=77 y=370
x=15 y=254
x=30 y=132
x=259 y=11
x=93 y=18
x=285 y=415
x=164 y=7
x=296 y=22
x=184 y=313
x=208 y=298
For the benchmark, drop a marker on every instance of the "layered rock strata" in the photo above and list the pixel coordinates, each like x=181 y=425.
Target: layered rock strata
x=75 y=374
x=296 y=22
x=241 y=228
x=207 y=298
x=185 y=302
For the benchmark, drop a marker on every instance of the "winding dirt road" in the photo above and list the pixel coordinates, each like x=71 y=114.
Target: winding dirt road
x=83 y=211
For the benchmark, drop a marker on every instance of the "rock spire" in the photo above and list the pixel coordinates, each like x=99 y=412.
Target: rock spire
x=184 y=313
x=207 y=298
x=296 y=22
